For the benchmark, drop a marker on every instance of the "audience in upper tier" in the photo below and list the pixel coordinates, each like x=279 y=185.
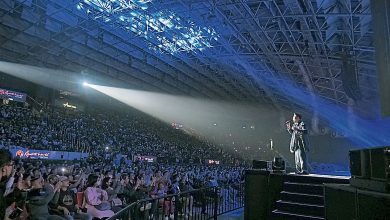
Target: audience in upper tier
x=135 y=134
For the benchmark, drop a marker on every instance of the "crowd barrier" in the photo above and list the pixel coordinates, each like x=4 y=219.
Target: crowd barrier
x=205 y=203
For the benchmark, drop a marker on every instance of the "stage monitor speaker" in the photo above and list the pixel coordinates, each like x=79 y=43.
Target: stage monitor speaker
x=380 y=11
x=278 y=165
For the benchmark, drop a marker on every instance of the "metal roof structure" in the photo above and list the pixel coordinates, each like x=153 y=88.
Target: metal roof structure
x=241 y=50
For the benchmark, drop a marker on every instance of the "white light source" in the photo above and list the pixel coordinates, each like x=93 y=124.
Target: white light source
x=85 y=84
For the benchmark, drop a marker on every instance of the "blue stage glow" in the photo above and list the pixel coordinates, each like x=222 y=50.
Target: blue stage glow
x=362 y=132
x=164 y=30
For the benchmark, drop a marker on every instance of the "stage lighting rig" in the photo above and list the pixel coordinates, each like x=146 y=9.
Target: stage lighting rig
x=163 y=30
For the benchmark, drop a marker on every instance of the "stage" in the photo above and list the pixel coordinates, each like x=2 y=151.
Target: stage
x=271 y=195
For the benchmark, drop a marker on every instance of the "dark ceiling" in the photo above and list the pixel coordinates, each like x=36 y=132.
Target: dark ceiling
x=307 y=43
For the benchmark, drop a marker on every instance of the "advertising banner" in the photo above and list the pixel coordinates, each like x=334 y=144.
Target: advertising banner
x=149 y=159
x=12 y=95
x=210 y=162
x=48 y=155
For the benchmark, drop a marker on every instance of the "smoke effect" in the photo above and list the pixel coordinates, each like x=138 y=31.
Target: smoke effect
x=237 y=126
x=52 y=78
x=231 y=124
x=56 y=79
x=241 y=127
x=360 y=131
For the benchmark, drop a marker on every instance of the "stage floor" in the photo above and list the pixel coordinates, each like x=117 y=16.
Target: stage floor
x=322 y=176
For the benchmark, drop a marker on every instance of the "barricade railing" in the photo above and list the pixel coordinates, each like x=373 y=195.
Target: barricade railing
x=202 y=204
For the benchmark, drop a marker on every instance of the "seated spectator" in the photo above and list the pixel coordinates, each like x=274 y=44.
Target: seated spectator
x=107 y=138
x=112 y=193
x=136 y=190
x=96 y=199
x=64 y=202
x=39 y=199
x=107 y=186
x=101 y=135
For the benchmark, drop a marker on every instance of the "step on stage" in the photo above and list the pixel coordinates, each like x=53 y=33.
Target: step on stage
x=286 y=196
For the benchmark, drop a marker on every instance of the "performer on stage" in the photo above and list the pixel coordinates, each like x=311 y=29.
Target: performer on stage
x=299 y=143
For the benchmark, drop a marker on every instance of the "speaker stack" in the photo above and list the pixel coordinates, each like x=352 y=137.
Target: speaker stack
x=370 y=169
x=368 y=194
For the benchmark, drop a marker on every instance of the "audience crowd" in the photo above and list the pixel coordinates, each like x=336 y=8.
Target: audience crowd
x=135 y=133
x=97 y=187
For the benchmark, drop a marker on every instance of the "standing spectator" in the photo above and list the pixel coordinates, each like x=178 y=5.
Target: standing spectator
x=17 y=197
x=39 y=199
x=6 y=168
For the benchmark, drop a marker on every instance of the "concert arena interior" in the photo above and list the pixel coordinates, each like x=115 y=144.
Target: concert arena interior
x=194 y=109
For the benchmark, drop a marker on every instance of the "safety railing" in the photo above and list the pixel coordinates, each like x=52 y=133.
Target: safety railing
x=202 y=204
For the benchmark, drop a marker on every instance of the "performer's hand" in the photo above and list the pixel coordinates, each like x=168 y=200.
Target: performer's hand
x=293 y=128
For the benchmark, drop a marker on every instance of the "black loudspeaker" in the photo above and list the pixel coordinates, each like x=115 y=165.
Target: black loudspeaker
x=372 y=205
x=360 y=163
x=340 y=202
x=256 y=194
x=374 y=171
x=275 y=185
x=278 y=165
x=380 y=166
x=260 y=164
x=380 y=10
x=262 y=190
x=355 y=163
x=346 y=202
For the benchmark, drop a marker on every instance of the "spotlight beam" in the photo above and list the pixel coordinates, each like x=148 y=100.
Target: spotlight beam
x=197 y=112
